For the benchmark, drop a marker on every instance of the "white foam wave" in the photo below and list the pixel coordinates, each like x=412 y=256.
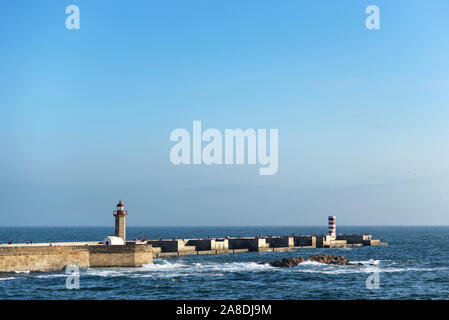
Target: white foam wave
x=146 y=271
x=339 y=270
x=413 y=269
x=238 y=267
x=312 y=263
x=162 y=265
x=361 y=269
x=22 y=271
x=50 y=276
x=166 y=269
x=367 y=262
x=107 y=273
x=205 y=267
x=174 y=269
x=7 y=278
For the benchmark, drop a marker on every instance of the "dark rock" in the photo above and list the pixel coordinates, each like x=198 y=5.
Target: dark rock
x=321 y=258
x=287 y=262
x=329 y=259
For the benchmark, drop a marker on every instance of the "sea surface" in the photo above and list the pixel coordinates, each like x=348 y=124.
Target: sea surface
x=415 y=265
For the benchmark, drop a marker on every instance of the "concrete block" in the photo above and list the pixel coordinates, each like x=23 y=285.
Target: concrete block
x=253 y=244
x=300 y=241
x=280 y=242
x=170 y=245
x=209 y=244
x=354 y=238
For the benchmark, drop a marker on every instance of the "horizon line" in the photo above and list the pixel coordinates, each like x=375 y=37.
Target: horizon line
x=229 y=226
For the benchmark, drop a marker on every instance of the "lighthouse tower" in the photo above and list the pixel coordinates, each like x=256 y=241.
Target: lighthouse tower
x=120 y=221
x=332 y=226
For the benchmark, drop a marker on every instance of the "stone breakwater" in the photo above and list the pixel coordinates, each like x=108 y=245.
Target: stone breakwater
x=56 y=256
x=178 y=247
x=42 y=257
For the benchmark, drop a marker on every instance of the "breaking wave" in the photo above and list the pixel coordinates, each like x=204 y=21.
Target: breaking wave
x=365 y=266
x=7 y=278
x=165 y=269
x=51 y=276
x=172 y=270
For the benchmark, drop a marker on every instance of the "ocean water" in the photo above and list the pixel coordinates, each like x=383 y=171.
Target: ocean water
x=415 y=265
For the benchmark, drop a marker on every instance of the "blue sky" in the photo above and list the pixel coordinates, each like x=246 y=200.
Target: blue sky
x=86 y=115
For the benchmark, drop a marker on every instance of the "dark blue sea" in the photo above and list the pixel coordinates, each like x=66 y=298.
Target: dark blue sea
x=415 y=265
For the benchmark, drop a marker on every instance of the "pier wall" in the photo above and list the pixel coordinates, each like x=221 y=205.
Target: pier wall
x=354 y=238
x=177 y=247
x=253 y=244
x=120 y=256
x=280 y=242
x=54 y=258
x=42 y=258
x=209 y=244
x=302 y=241
x=373 y=243
x=328 y=241
x=174 y=245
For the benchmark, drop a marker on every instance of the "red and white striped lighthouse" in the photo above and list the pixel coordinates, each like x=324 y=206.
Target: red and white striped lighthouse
x=332 y=226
